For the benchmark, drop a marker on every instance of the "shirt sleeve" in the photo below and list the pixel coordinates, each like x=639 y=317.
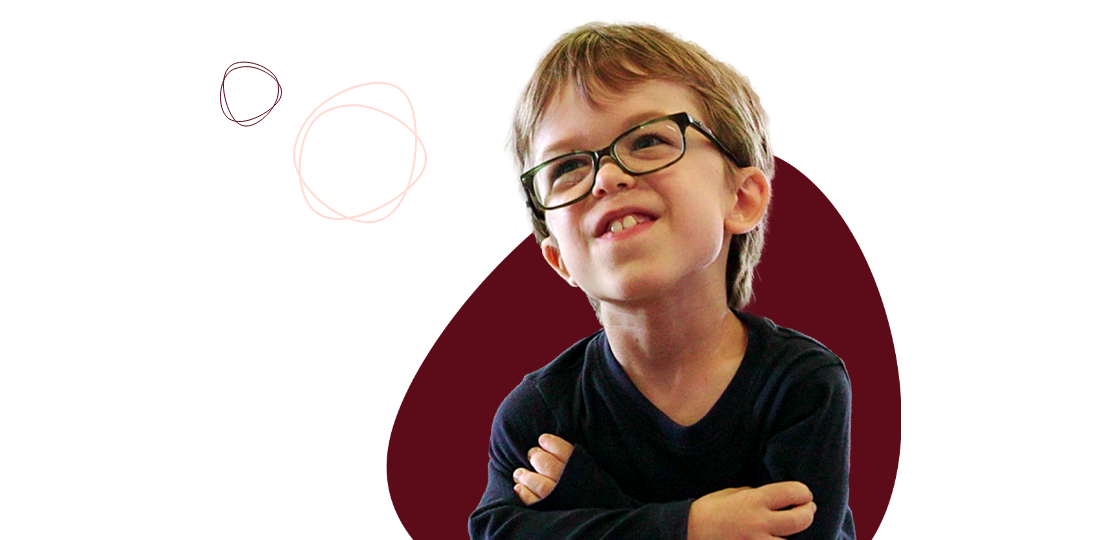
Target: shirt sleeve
x=586 y=504
x=584 y=485
x=810 y=441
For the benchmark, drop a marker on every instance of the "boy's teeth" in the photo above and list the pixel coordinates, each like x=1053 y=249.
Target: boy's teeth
x=624 y=223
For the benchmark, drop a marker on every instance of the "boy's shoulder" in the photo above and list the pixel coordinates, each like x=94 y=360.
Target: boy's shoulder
x=787 y=352
x=547 y=393
x=786 y=337
x=569 y=365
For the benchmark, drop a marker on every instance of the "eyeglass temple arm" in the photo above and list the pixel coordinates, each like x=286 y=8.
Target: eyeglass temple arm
x=689 y=120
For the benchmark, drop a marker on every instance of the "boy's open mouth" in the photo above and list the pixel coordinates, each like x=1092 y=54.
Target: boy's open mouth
x=620 y=220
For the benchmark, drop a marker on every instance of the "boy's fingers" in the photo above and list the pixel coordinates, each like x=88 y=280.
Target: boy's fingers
x=556 y=446
x=546 y=464
x=785 y=494
x=540 y=485
x=526 y=496
x=793 y=520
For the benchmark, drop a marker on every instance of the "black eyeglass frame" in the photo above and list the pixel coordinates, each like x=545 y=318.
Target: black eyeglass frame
x=683 y=121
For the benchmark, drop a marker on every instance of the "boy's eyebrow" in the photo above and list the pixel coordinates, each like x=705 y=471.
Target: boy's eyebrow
x=567 y=145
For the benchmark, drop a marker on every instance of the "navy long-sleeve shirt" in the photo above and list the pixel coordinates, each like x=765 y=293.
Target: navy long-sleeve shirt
x=634 y=473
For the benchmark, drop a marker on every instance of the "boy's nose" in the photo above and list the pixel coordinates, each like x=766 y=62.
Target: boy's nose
x=611 y=179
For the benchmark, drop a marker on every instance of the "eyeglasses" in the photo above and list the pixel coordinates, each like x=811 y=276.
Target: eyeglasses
x=648 y=147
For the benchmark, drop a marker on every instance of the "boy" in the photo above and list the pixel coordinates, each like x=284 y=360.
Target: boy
x=683 y=418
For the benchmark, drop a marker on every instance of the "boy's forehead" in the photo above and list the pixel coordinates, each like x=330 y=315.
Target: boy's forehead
x=570 y=121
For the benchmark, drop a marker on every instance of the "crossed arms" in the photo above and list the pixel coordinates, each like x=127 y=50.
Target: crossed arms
x=771 y=511
x=541 y=486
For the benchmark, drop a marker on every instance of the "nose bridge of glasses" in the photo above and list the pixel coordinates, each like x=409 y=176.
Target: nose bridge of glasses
x=603 y=157
x=610 y=153
x=616 y=154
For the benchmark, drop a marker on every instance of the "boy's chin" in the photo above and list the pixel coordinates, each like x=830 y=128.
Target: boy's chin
x=658 y=290
x=630 y=292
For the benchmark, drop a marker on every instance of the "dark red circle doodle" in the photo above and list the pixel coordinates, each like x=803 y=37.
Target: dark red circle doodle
x=225 y=103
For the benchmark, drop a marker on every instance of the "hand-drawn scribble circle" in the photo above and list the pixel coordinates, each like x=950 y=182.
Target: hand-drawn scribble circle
x=225 y=103
x=301 y=138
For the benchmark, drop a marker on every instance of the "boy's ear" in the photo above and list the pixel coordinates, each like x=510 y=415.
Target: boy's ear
x=752 y=197
x=551 y=254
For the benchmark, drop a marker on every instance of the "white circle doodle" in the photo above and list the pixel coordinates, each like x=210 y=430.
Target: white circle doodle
x=299 y=159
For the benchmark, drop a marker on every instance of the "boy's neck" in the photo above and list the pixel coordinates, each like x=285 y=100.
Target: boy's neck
x=681 y=356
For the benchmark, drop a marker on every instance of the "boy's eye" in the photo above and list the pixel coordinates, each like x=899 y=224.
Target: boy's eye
x=568 y=170
x=646 y=141
x=565 y=167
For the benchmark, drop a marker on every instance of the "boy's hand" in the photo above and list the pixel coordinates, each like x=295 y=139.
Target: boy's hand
x=765 y=513
x=548 y=459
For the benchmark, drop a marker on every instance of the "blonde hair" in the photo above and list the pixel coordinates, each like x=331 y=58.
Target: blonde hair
x=600 y=59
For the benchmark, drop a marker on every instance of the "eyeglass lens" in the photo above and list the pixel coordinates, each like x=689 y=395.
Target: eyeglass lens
x=638 y=151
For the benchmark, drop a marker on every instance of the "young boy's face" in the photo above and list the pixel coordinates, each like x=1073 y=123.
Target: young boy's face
x=683 y=216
